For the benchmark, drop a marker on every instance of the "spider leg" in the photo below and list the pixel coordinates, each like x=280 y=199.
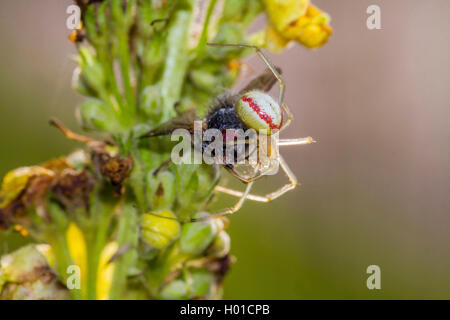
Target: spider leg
x=247 y=195
x=289 y=114
x=297 y=141
x=275 y=73
x=243 y=179
x=266 y=61
x=231 y=210
x=271 y=196
x=236 y=193
x=242 y=197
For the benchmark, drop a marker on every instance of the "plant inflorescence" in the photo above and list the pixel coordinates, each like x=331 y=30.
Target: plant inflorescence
x=107 y=217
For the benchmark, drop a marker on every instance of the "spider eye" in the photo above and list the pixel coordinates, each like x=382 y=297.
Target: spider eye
x=259 y=111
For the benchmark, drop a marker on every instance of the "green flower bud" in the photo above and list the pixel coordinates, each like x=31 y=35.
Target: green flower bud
x=95 y=114
x=197 y=236
x=91 y=69
x=150 y=158
x=161 y=189
x=207 y=180
x=203 y=79
x=202 y=283
x=25 y=274
x=184 y=173
x=80 y=84
x=220 y=246
x=157 y=231
x=195 y=284
x=195 y=183
x=228 y=33
x=151 y=102
x=175 y=290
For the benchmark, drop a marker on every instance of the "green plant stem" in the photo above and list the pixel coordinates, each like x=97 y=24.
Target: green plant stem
x=204 y=35
x=114 y=107
x=124 y=58
x=110 y=75
x=61 y=251
x=137 y=181
x=96 y=240
x=92 y=266
x=56 y=237
x=177 y=60
x=127 y=237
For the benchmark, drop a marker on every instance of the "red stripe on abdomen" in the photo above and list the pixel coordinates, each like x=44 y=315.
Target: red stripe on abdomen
x=261 y=114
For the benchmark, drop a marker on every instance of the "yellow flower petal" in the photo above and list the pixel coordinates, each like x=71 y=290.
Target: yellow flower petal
x=77 y=250
x=16 y=180
x=283 y=12
x=312 y=29
x=274 y=41
x=297 y=20
x=105 y=271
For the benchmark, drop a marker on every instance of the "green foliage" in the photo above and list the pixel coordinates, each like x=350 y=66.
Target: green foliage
x=139 y=65
x=119 y=209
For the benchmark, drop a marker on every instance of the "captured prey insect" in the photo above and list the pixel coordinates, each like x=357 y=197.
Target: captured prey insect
x=251 y=108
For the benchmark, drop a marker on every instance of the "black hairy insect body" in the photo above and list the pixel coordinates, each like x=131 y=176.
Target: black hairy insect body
x=222 y=116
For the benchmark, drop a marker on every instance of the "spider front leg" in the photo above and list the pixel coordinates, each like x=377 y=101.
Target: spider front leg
x=231 y=210
x=272 y=68
x=297 y=141
x=236 y=193
x=237 y=175
x=271 y=196
x=289 y=114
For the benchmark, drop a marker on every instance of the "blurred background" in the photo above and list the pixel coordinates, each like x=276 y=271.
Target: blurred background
x=375 y=188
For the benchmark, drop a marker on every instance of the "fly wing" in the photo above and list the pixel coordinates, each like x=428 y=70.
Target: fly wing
x=183 y=121
x=263 y=82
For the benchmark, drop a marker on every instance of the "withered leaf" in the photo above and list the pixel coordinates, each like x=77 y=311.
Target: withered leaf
x=72 y=188
x=115 y=168
x=21 y=189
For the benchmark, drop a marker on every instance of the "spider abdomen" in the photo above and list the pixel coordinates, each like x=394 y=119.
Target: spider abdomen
x=258 y=111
